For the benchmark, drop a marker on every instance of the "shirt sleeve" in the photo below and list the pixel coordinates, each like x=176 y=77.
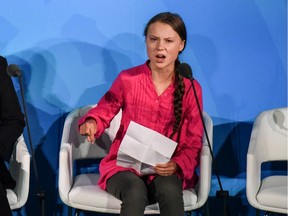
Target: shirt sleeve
x=190 y=137
x=108 y=106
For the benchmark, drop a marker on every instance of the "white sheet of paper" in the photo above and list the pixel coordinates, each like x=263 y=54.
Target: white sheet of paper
x=143 y=148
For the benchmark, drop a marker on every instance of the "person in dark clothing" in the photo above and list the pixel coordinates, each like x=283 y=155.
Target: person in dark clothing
x=11 y=127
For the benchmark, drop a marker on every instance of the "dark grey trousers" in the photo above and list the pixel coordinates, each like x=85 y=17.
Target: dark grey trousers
x=136 y=194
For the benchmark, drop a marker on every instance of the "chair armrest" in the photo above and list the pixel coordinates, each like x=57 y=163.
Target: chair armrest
x=204 y=176
x=19 y=166
x=253 y=167
x=65 y=178
x=253 y=179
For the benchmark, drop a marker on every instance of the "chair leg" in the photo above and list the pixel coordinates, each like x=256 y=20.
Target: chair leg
x=69 y=211
x=17 y=212
x=206 y=208
x=77 y=212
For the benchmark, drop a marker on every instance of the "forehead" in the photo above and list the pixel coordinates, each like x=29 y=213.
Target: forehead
x=160 y=29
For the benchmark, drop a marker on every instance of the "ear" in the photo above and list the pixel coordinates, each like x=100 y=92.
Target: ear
x=181 y=47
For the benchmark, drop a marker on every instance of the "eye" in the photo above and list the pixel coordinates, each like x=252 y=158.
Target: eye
x=153 y=39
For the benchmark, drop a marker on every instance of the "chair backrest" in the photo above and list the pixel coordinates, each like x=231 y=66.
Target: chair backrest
x=269 y=135
x=205 y=168
x=209 y=128
x=81 y=148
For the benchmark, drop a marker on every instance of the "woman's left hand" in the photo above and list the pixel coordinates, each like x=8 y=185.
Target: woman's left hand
x=166 y=169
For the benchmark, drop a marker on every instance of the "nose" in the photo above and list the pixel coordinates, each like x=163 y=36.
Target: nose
x=160 y=45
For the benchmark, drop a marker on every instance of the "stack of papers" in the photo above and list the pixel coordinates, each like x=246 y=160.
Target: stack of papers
x=143 y=148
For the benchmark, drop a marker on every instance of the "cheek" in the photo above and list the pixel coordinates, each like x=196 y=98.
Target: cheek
x=175 y=50
x=149 y=51
x=149 y=46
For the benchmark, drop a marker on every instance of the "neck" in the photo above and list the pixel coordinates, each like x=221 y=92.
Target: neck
x=165 y=75
x=162 y=79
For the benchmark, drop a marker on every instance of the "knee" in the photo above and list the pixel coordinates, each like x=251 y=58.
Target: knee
x=170 y=191
x=134 y=201
x=135 y=192
x=170 y=195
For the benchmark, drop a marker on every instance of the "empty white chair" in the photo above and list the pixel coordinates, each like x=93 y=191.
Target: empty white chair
x=82 y=192
x=268 y=143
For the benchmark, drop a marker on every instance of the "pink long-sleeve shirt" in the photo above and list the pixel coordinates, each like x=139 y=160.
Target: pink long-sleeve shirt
x=134 y=92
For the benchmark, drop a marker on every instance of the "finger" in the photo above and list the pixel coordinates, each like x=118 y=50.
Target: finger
x=88 y=134
x=85 y=133
x=81 y=128
x=84 y=130
x=162 y=172
x=166 y=174
x=163 y=166
x=91 y=138
x=165 y=171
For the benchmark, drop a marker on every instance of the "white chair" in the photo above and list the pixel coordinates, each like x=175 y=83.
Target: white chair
x=82 y=192
x=268 y=143
x=19 y=166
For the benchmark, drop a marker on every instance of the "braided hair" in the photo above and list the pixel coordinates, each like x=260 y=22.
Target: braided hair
x=178 y=96
x=176 y=22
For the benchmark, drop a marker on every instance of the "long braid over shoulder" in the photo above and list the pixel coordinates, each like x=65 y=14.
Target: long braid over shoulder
x=178 y=96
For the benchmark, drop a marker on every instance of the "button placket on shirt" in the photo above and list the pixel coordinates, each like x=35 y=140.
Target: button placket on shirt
x=157 y=109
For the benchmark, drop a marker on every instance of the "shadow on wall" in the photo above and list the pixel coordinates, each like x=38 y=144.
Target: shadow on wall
x=38 y=121
x=107 y=71
x=231 y=141
x=49 y=98
x=114 y=58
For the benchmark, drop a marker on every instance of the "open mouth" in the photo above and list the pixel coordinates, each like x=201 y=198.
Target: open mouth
x=159 y=56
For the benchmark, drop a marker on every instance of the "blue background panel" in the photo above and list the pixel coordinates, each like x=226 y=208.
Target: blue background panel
x=71 y=51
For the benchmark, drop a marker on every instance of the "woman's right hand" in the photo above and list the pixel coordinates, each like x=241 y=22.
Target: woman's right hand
x=89 y=129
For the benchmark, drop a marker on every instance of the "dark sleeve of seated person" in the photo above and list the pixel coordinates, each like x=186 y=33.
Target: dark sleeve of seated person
x=11 y=122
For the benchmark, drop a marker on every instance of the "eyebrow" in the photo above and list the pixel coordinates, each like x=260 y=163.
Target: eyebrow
x=170 y=37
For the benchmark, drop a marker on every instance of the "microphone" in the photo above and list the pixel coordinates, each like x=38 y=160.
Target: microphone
x=13 y=70
x=186 y=71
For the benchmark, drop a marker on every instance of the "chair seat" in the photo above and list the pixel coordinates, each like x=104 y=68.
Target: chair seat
x=12 y=198
x=85 y=192
x=273 y=192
